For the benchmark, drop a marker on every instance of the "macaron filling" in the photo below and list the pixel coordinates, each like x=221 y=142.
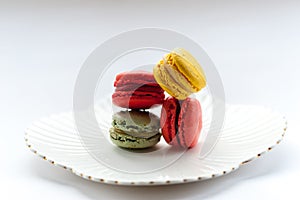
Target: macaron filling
x=168 y=82
x=177 y=124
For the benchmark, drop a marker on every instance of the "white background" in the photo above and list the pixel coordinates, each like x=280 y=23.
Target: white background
x=254 y=44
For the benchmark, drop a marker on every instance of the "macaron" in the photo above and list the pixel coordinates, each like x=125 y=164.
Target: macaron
x=135 y=129
x=137 y=90
x=181 y=122
x=179 y=74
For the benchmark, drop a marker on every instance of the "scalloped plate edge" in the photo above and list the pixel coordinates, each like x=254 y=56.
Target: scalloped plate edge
x=151 y=183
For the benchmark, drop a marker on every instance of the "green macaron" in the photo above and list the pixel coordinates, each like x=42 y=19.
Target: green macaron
x=135 y=129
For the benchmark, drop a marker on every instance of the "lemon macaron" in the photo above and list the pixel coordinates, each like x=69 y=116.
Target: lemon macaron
x=179 y=74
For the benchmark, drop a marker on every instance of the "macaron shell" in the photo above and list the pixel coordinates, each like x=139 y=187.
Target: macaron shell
x=189 y=123
x=187 y=56
x=142 y=124
x=190 y=72
x=168 y=120
x=134 y=77
x=121 y=139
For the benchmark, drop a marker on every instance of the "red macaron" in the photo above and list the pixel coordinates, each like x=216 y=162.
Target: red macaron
x=181 y=122
x=137 y=90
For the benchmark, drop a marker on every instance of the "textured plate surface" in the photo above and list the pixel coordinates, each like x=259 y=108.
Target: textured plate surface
x=248 y=132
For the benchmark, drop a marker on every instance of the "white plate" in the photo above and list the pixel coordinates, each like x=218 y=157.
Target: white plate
x=248 y=132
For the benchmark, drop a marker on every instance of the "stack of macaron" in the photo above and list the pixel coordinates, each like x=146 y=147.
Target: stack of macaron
x=179 y=75
x=135 y=127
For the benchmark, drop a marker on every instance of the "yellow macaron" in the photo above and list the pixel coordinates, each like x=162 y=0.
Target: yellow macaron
x=179 y=74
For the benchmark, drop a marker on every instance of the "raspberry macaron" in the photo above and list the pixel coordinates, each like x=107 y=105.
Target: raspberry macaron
x=137 y=90
x=181 y=122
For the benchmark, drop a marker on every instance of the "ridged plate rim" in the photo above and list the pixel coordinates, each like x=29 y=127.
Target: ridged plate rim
x=152 y=182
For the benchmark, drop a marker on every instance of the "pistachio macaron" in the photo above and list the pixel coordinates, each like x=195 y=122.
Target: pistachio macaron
x=179 y=74
x=135 y=129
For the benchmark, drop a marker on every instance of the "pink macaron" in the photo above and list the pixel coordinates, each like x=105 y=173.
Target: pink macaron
x=181 y=122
